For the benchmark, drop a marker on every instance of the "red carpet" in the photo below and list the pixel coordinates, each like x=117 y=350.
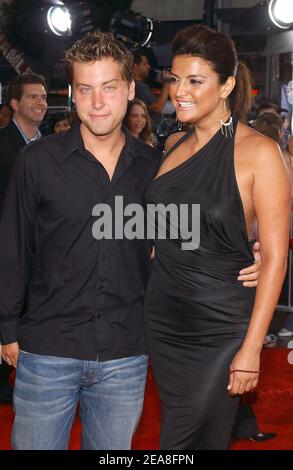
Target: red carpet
x=273 y=406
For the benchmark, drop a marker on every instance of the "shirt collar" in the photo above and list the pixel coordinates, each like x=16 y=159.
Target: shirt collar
x=27 y=140
x=72 y=141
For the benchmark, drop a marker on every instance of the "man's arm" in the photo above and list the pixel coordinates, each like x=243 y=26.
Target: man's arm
x=17 y=233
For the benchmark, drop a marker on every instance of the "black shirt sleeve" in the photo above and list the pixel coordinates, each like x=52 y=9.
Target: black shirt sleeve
x=17 y=233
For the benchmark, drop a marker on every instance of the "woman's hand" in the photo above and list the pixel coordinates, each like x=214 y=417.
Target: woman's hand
x=244 y=372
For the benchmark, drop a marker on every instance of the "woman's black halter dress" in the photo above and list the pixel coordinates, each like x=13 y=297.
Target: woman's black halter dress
x=197 y=312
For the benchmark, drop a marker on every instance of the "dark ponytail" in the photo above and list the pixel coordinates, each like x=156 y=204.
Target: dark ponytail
x=240 y=97
x=219 y=50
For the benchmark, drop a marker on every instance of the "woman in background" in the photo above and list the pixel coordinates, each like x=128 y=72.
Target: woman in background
x=138 y=122
x=60 y=122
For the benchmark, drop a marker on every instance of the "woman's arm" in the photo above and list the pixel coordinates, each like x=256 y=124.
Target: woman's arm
x=271 y=200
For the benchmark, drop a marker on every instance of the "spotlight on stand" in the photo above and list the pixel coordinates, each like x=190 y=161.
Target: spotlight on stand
x=53 y=18
x=281 y=13
x=73 y=20
x=133 y=30
x=59 y=20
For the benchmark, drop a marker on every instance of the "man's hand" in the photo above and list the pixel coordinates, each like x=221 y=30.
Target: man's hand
x=250 y=275
x=10 y=353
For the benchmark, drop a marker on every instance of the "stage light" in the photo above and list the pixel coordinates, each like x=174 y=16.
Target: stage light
x=147 y=39
x=133 y=30
x=59 y=20
x=281 y=13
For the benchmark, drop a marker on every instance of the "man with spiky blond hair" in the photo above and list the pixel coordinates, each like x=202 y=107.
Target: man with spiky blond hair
x=81 y=336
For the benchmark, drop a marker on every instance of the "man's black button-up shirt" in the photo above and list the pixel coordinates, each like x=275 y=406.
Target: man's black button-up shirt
x=62 y=291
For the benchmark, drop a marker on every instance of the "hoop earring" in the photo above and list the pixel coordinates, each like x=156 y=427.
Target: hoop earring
x=227 y=127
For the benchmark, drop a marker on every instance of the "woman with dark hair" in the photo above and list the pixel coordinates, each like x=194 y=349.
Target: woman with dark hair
x=205 y=329
x=138 y=122
x=269 y=124
x=60 y=122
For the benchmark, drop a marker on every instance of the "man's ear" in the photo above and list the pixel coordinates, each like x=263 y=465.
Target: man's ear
x=14 y=104
x=131 y=91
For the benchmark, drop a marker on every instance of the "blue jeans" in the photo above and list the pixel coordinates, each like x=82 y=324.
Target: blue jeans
x=47 y=390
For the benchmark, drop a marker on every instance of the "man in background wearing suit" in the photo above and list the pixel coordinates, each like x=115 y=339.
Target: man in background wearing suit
x=27 y=100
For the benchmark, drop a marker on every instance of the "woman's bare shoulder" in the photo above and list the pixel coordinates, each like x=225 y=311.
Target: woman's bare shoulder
x=255 y=147
x=172 y=139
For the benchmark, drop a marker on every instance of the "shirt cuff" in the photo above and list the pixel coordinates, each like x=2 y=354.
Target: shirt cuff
x=8 y=333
